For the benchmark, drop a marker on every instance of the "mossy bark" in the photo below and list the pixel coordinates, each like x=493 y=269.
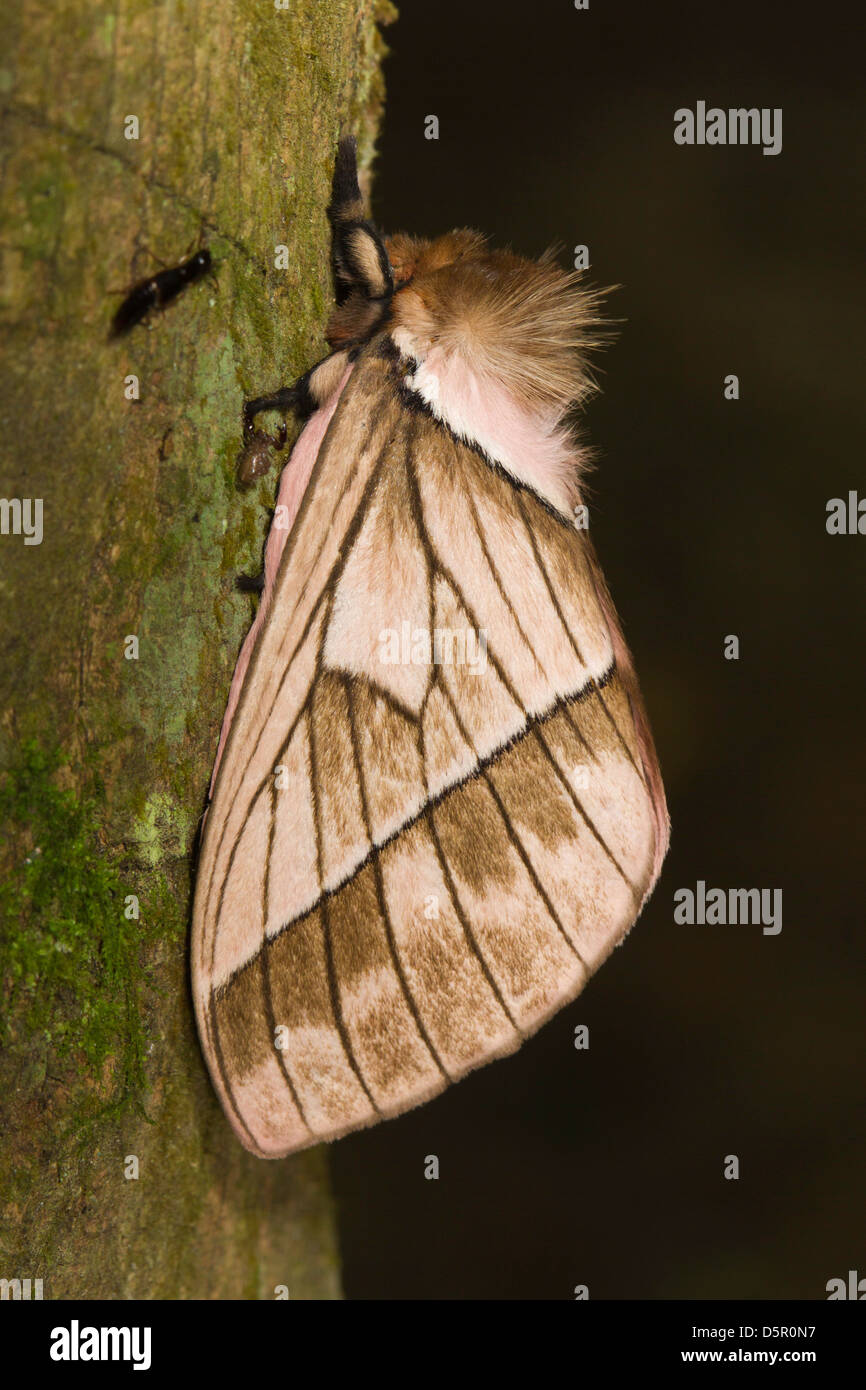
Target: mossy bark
x=107 y=757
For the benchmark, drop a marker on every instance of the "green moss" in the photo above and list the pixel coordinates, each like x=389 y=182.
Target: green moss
x=162 y=829
x=68 y=954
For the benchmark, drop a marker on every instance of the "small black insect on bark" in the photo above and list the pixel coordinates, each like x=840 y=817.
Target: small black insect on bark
x=158 y=290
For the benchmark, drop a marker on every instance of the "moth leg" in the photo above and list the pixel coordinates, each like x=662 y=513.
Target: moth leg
x=287 y=399
x=359 y=258
x=250 y=583
x=364 y=285
x=308 y=393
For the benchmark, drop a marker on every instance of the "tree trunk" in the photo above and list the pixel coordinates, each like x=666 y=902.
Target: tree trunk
x=124 y=1179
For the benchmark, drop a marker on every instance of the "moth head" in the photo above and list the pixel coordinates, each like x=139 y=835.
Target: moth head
x=411 y=256
x=369 y=269
x=527 y=325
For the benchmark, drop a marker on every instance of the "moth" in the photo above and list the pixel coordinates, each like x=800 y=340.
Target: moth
x=436 y=805
x=156 y=291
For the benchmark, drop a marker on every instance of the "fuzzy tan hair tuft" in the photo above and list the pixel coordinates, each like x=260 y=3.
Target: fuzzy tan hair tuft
x=530 y=325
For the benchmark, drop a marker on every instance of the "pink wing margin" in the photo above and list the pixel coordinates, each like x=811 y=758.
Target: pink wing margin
x=293 y=485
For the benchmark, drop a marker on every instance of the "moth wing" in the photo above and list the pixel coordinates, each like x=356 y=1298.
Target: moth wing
x=438 y=809
x=232 y=877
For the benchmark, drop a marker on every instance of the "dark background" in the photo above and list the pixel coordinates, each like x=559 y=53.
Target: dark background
x=605 y=1167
